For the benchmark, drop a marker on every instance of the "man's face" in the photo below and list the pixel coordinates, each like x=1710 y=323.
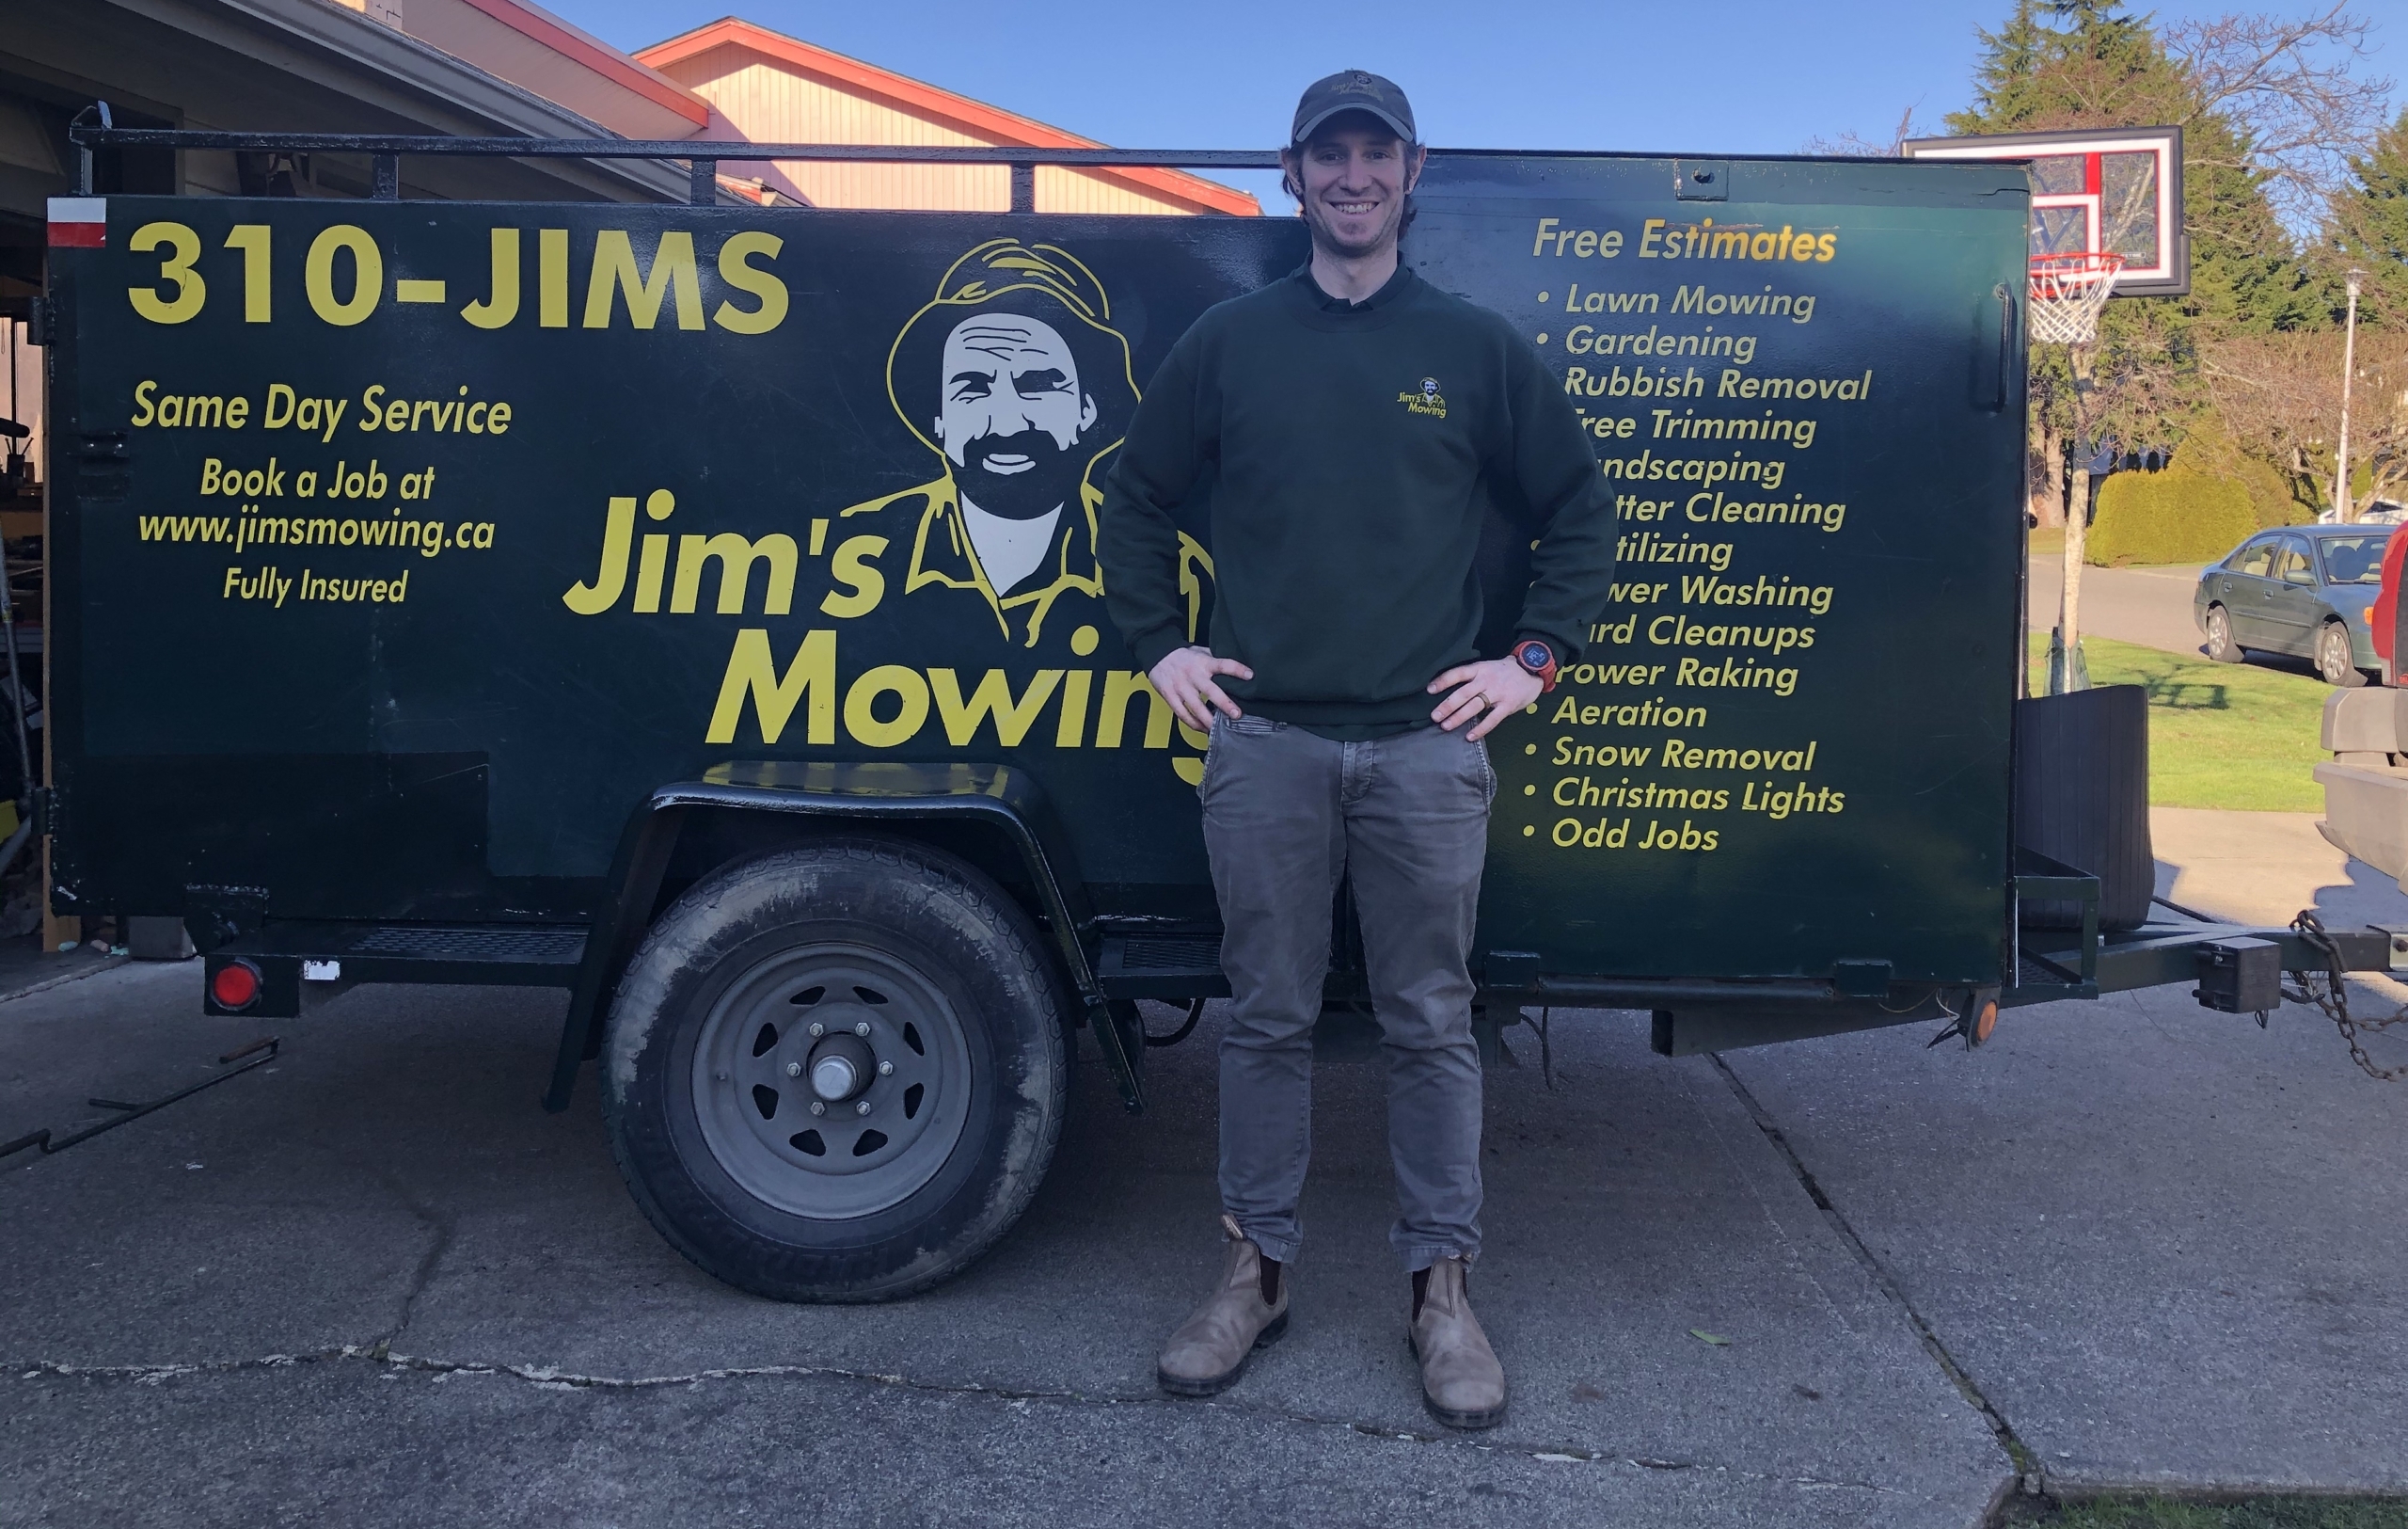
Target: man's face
x=1355 y=173
x=1011 y=409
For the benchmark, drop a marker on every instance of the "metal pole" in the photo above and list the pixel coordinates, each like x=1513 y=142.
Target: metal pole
x=9 y=616
x=2345 y=505
x=2067 y=669
x=17 y=687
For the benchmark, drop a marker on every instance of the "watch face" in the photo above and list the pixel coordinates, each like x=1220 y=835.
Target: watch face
x=1534 y=655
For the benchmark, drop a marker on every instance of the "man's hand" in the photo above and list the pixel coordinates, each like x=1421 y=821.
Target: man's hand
x=1496 y=687
x=1185 y=679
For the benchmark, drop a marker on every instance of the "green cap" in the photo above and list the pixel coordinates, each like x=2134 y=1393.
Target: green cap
x=1352 y=90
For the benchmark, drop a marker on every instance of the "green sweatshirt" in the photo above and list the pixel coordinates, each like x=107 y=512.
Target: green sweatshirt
x=1352 y=451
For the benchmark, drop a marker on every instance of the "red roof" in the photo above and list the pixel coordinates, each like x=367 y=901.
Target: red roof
x=972 y=116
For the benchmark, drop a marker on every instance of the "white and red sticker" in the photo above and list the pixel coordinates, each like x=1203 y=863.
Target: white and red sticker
x=79 y=222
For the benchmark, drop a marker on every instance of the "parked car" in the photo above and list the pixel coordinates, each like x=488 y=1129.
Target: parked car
x=2303 y=589
x=2382 y=511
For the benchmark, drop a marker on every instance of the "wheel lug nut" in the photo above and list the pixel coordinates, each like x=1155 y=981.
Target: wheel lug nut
x=861 y=1028
x=794 y=1069
x=886 y=1069
x=817 y=1031
x=818 y=1109
x=862 y=1108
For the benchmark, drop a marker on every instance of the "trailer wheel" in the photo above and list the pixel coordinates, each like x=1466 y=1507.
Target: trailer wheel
x=837 y=1072
x=2221 y=647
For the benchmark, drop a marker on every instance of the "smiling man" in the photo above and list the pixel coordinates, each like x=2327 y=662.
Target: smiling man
x=1356 y=425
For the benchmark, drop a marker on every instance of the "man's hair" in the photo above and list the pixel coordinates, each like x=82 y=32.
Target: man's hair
x=1294 y=188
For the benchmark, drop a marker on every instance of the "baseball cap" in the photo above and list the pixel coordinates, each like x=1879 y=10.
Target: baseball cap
x=1352 y=90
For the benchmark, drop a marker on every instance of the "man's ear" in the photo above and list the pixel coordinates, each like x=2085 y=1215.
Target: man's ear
x=1086 y=412
x=1412 y=171
x=1292 y=174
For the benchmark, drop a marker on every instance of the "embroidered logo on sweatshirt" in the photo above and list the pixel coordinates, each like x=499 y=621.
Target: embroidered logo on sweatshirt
x=1426 y=400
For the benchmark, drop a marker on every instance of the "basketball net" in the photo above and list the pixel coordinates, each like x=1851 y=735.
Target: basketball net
x=2068 y=294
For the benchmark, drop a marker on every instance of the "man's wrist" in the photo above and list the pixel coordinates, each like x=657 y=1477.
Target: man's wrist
x=1537 y=658
x=1150 y=651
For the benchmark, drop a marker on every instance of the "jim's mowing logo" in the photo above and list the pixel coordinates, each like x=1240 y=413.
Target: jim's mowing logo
x=1424 y=399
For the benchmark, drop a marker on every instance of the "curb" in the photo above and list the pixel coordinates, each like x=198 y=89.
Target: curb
x=107 y=964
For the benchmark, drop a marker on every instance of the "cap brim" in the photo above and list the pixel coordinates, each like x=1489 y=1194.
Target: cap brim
x=1312 y=124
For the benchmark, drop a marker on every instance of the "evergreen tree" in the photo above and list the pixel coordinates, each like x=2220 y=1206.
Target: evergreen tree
x=2057 y=65
x=2369 y=231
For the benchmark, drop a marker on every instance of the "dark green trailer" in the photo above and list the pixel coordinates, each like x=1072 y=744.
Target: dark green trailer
x=586 y=596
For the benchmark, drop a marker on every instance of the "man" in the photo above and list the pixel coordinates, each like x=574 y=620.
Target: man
x=1356 y=423
x=1015 y=376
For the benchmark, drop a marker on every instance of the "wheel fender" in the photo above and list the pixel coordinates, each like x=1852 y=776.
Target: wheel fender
x=865 y=795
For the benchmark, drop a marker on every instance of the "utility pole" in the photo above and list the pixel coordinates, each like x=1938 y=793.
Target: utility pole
x=2345 y=505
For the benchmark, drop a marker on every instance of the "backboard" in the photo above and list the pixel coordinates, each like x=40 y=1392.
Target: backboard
x=2099 y=191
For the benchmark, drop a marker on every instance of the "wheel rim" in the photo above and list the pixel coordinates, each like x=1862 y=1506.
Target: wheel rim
x=2335 y=651
x=754 y=1074
x=2219 y=631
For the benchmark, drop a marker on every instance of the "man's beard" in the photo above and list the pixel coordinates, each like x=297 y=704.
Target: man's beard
x=1325 y=238
x=1038 y=489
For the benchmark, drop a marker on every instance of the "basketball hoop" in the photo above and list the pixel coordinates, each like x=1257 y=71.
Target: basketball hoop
x=2067 y=293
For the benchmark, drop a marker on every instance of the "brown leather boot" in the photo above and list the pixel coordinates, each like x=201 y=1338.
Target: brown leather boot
x=1462 y=1383
x=1209 y=1351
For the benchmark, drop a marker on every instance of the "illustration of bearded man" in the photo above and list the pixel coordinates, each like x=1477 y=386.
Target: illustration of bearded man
x=1014 y=375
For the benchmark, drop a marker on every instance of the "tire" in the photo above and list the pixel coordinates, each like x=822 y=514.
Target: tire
x=966 y=1059
x=2334 y=660
x=2221 y=647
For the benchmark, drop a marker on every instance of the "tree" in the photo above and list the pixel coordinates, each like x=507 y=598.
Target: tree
x=2369 y=229
x=2295 y=85
x=2265 y=104
x=2270 y=107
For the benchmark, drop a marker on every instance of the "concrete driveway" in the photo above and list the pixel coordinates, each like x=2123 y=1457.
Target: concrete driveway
x=2130 y=1242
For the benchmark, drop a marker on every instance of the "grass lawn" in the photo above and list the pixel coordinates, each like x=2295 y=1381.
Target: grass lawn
x=2252 y=1513
x=2220 y=735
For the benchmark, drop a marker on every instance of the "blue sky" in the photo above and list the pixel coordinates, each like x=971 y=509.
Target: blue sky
x=1699 y=76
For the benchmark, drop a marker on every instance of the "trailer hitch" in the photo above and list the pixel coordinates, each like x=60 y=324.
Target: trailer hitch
x=260 y=1053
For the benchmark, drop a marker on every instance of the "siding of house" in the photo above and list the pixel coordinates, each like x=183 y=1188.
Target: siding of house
x=766 y=98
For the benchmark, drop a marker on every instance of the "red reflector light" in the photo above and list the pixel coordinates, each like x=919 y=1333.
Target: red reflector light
x=235 y=985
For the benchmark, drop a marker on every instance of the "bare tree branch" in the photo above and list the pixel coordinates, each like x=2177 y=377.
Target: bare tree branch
x=1854 y=145
x=2294 y=85
x=2280 y=394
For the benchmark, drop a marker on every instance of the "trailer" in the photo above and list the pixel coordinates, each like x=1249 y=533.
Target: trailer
x=582 y=597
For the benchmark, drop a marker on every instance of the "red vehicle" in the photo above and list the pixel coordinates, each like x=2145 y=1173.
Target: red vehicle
x=2382 y=617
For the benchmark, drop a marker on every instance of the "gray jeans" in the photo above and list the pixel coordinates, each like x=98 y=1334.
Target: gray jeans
x=1286 y=812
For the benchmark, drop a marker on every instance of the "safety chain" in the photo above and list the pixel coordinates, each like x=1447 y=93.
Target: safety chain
x=2330 y=994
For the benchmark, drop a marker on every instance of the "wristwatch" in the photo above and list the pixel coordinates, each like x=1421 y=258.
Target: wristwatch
x=1538 y=659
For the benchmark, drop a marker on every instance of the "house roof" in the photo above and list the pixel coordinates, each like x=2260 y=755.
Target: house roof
x=591 y=51
x=976 y=117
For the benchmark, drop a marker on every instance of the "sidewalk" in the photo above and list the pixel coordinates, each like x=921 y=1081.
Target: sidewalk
x=2262 y=867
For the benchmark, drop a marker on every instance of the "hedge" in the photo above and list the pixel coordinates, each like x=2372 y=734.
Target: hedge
x=2270 y=496
x=2168 y=516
